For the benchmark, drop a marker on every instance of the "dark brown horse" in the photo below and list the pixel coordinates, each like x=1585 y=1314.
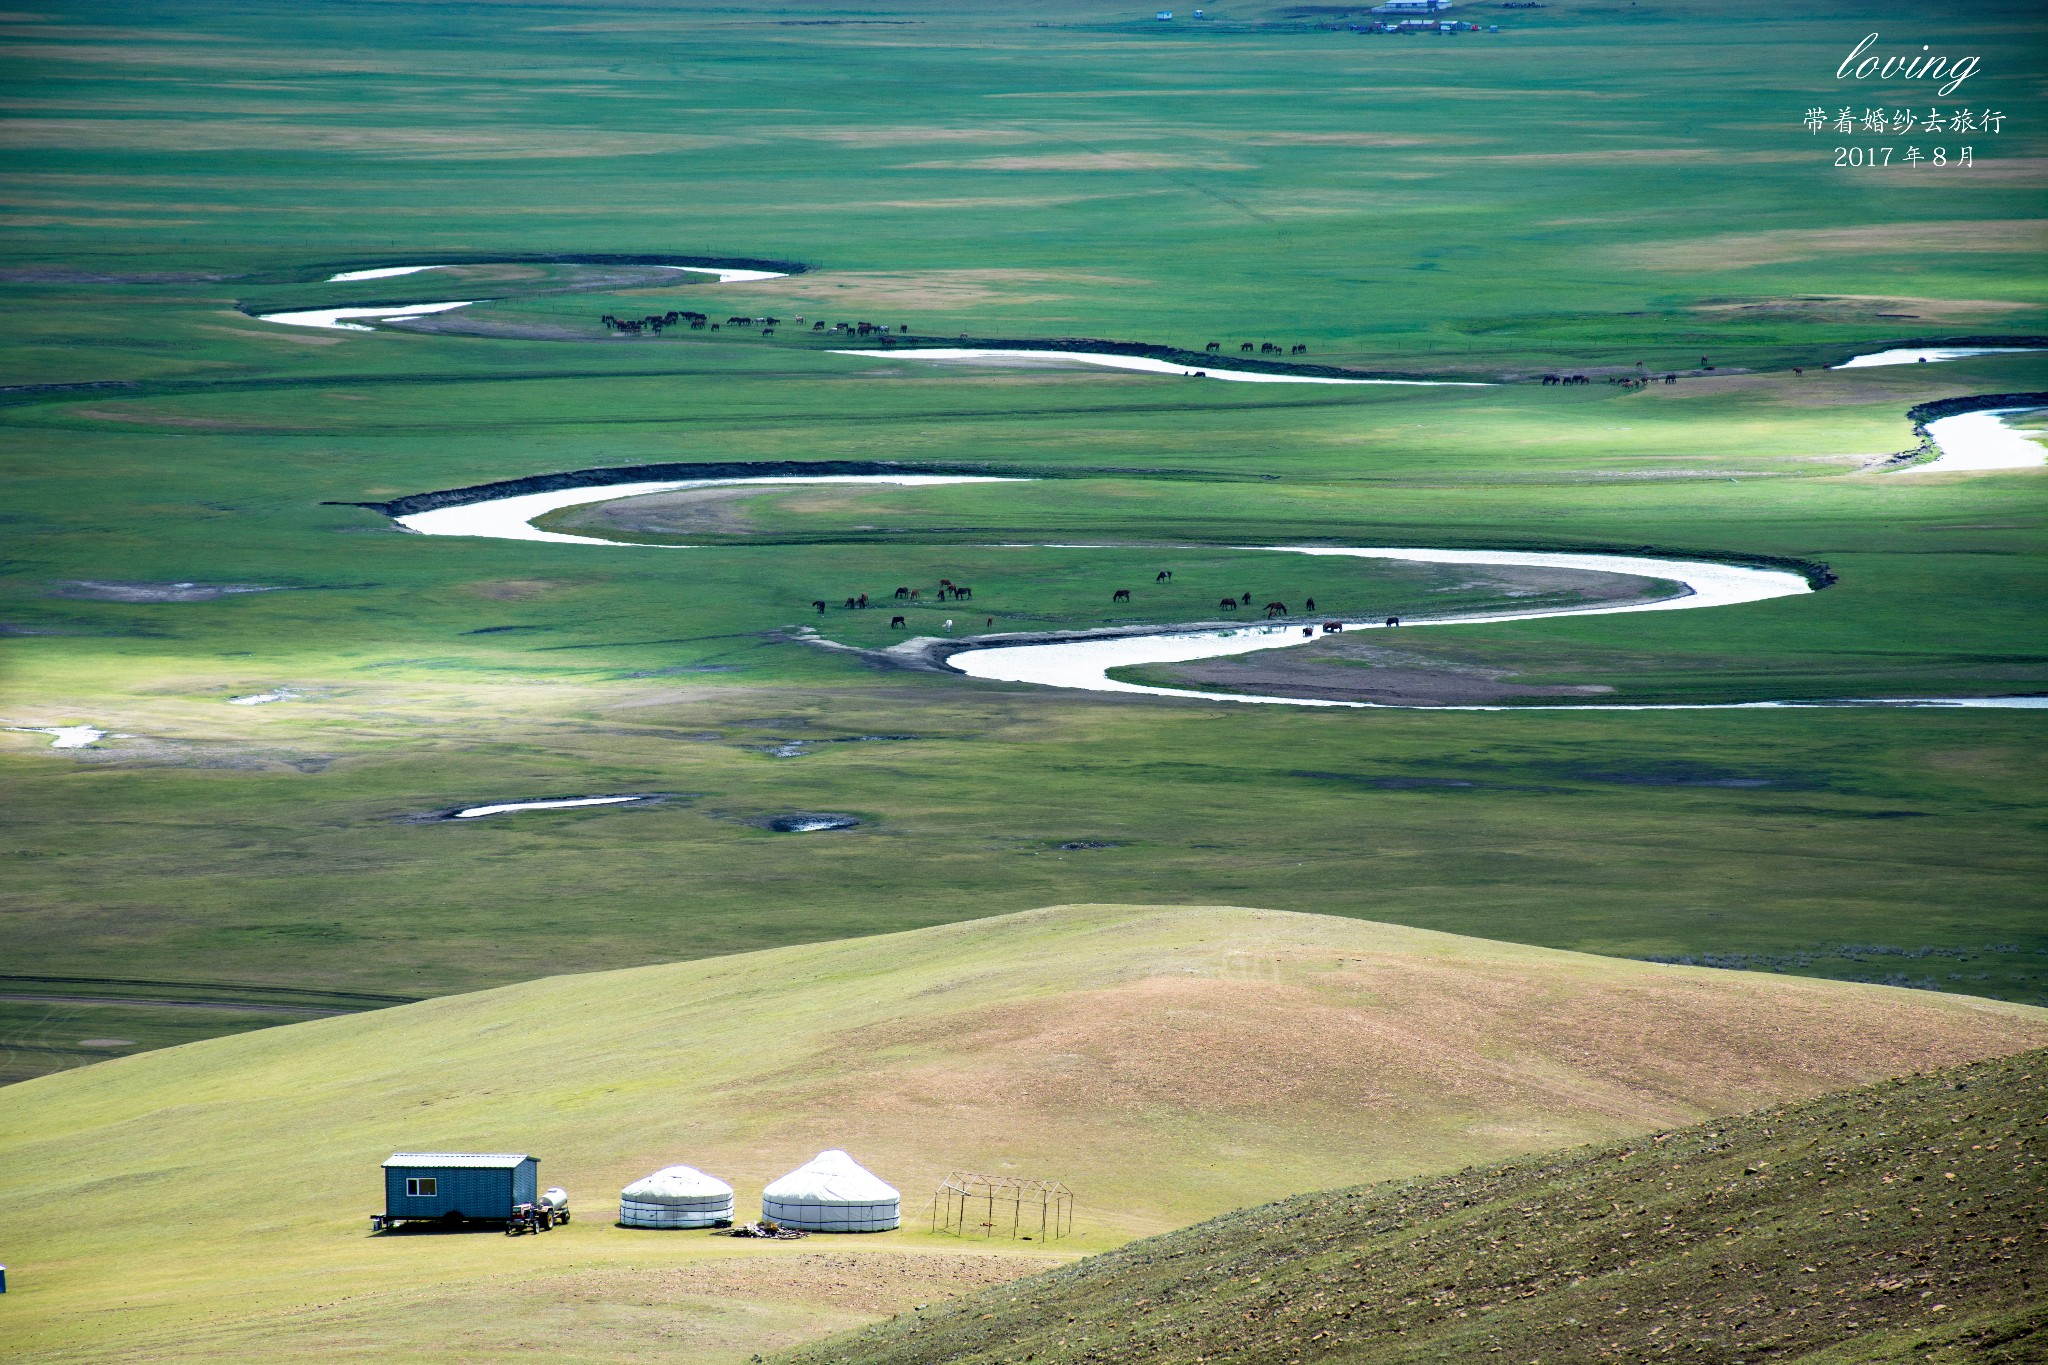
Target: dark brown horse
x=1120 y=595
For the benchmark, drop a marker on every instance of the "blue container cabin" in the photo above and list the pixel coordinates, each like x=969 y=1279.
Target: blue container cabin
x=453 y=1187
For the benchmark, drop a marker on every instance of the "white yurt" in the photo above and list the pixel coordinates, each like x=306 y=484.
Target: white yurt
x=676 y=1197
x=832 y=1193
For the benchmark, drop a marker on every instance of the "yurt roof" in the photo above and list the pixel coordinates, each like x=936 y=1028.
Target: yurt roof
x=831 y=1178
x=675 y=1182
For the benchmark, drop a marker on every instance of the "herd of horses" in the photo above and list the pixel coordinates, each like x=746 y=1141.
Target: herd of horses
x=949 y=591
x=654 y=323
x=1265 y=348
x=1627 y=381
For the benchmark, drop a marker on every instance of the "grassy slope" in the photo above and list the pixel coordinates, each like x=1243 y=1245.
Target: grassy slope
x=1898 y=1222
x=207 y=1202
x=1570 y=212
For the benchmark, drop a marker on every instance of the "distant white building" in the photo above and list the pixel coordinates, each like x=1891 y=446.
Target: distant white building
x=1411 y=6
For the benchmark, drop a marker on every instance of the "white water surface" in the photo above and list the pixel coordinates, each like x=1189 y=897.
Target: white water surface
x=65 y=736
x=511 y=518
x=474 y=812
x=1931 y=354
x=263 y=698
x=1975 y=441
x=1085 y=664
x=387 y=272
x=331 y=318
x=1137 y=362
x=726 y=275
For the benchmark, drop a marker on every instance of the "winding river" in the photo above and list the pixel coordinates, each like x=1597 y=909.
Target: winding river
x=1146 y=364
x=1975 y=441
x=1916 y=355
x=1085 y=662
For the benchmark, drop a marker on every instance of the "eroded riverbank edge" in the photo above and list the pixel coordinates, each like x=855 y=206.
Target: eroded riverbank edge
x=1921 y=415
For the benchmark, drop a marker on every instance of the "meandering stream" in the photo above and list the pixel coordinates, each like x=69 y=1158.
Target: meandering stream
x=1968 y=442
x=1085 y=662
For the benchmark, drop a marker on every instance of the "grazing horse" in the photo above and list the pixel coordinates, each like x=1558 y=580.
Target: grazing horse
x=897 y=623
x=1274 y=609
x=902 y=593
x=1228 y=604
x=819 y=603
x=1162 y=575
x=1246 y=600
x=1311 y=604
x=851 y=604
x=1307 y=631
x=863 y=601
x=1120 y=595
x=1393 y=620
x=914 y=592
x=1246 y=347
x=1215 y=346
x=963 y=594
x=1333 y=627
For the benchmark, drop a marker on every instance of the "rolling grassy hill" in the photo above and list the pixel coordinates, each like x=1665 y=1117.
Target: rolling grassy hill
x=207 y=1202
x=1902 y=1221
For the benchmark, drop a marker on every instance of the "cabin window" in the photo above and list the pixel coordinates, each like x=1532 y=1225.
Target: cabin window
x=420 y=1187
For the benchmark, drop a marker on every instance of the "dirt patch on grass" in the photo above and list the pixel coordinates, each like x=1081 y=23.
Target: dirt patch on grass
x=1859 y=307
x=701 y=511
x=1647 y=156
x=901 y=135
x=514 y=589
x=870 y=1283
x=1085 y=161
x=941 y=289
x=106 y=590
x=38 y=274
x=1740 y=250
x=1287 y=139
x=163 y=419
x=1322 y=1032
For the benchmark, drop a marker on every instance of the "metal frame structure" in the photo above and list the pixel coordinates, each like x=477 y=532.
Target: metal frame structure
x=969 y=1204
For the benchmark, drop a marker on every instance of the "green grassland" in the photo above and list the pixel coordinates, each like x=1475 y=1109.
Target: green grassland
x=1590 y=189
x=1892 y=1223
x=1167 y=1062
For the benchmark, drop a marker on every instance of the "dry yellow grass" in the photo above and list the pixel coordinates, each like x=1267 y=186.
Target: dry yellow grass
x=208 y=1202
